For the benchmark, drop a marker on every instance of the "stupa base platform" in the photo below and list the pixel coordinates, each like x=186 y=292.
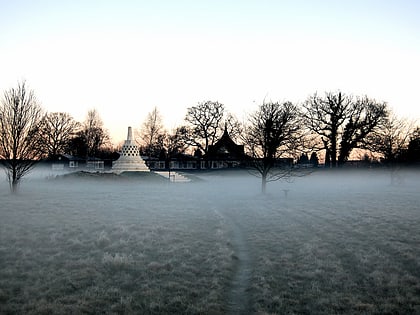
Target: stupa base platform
x=124 y=166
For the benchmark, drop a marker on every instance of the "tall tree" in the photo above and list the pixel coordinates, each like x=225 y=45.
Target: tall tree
x=325 y=117
x=56 y=131
x=391 y=138
x=205 y=121
x=152 y=133
x=272 y=131
x=342 y=122
x=364 y=118
x=93 y=133
x=20 y=115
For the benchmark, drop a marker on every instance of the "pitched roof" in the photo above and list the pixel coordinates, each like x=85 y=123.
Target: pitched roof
x=225 y=147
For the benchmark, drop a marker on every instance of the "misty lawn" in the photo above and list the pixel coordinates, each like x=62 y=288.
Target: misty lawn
x=336 y=242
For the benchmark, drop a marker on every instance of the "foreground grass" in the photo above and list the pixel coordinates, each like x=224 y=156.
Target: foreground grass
x=336 y=245
x=106 y=248
x=356 y=251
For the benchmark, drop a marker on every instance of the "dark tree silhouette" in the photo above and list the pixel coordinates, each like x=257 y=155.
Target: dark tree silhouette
x=303 y=159
x=413 y=150
x=342 y=122
x=325 y=117
x=391 y=138
x=205 y=122
x=55 y=133
x=78 y=146
x=314 y=159
x=91 y=138
x=93 y=133
x=364 y=118
x=272 y=132
x=20 y=115
x=234 y=127
x=177 y=141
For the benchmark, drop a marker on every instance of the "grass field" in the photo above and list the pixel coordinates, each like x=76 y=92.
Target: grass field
x=338 y=243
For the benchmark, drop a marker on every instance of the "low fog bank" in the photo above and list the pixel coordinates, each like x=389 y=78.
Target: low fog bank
x=334 y=241
x=224 y=183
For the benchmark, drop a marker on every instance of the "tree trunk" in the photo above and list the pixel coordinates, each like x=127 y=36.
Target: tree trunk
x=14 y=181
x=333 y=151
x=327 y=163
x=14 y=186
x=263 y=183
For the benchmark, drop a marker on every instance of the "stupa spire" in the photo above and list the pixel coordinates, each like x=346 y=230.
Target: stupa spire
x=130 y=134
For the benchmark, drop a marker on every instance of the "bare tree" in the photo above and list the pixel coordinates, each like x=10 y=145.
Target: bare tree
x=365 y=117
x=272 y=132
x=93 y=133
x=234 y=126
x=20 y=114
x=91 y=137
x=325 y=117
x=342 y=122
x=152 y=133
x=391 y=138
x=205 y=121
x=55 y=133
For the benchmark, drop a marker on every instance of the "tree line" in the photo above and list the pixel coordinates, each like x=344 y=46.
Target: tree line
x=333 y=124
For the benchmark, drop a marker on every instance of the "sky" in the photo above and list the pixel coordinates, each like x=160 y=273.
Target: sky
x=123 y=58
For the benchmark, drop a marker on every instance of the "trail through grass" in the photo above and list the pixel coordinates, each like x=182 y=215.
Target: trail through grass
x=338 y=244
x=239 y=298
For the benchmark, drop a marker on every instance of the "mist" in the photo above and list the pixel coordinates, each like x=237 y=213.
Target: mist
x=330 y=242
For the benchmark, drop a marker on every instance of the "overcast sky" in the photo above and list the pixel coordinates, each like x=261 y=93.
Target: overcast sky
x=126 y=57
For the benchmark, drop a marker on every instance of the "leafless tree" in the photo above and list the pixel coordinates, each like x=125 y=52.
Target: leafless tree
x=55 y=133
x=20 y=115
x=391 y=138
x=93 y=132
x=271 y=134
x=152 y=133
x=205 y=121
x=234 y=127
x=342 y=122
x=325 y=117
x=365 y=117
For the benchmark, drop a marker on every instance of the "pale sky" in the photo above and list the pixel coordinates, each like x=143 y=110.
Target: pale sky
x=126 y=57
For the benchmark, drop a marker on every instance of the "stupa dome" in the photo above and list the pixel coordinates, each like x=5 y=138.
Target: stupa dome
x=130 y=159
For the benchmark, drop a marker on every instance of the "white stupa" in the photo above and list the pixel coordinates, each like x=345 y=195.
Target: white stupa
x=130 y=159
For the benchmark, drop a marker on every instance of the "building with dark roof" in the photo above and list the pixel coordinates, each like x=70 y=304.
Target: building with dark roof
x=225 y=153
